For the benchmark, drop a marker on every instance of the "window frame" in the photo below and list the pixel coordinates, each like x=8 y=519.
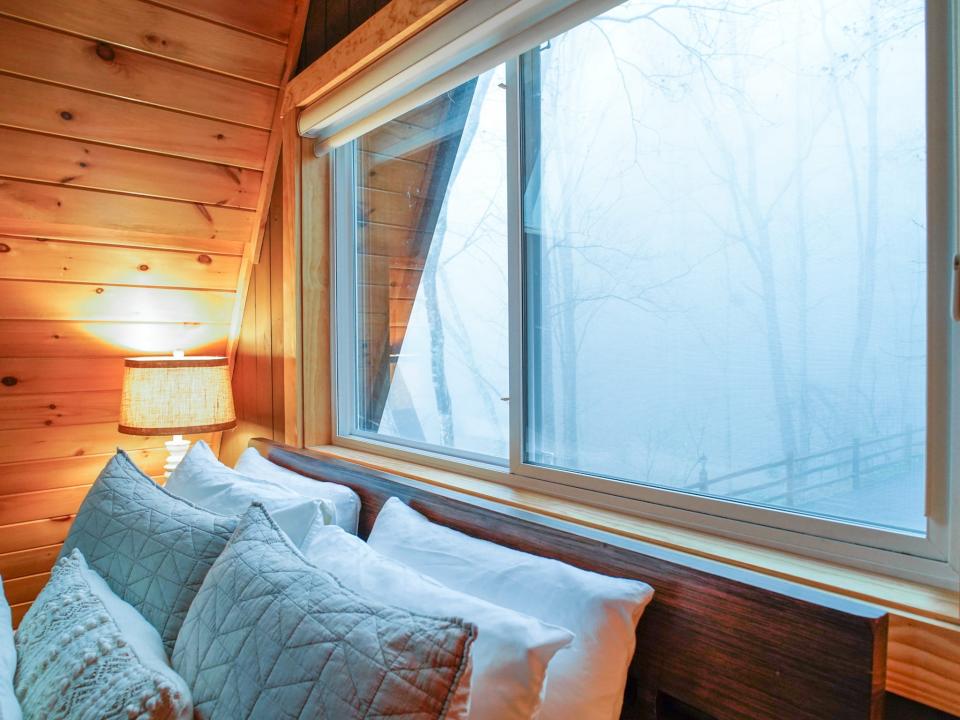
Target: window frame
x=933 y=559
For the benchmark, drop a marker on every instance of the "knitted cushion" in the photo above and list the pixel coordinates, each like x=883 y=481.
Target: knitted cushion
x=75 y=662
x=152 y=548
x=271 y=636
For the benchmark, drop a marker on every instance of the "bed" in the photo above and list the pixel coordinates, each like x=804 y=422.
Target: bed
x=716 y=643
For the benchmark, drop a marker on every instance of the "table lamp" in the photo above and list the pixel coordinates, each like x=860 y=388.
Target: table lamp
x=176 y=395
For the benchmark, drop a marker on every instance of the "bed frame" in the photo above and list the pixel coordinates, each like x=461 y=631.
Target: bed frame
x=716 y=643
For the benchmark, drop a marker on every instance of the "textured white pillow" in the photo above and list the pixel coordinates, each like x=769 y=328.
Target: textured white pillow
x=586 y=680
x=9 y=707
x=85 y=653
x=347 y=503
x=207 y=482
x=511 y=652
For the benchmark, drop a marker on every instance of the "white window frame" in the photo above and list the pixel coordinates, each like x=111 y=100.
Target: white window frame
x=932 y=559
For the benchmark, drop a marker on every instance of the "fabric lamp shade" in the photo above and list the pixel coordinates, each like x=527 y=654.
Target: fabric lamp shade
x=176 y=395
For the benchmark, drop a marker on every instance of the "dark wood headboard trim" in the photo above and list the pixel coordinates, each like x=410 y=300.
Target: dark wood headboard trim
x=717 y=641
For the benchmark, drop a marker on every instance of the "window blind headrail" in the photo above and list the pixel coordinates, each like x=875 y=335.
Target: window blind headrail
x=472 y=39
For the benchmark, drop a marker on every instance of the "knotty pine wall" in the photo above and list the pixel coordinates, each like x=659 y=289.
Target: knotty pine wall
x=134 y=136
x=258 y=369
x=258 y=376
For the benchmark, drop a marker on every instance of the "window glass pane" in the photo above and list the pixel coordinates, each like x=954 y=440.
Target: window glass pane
x=430 y=260
x=725 y=224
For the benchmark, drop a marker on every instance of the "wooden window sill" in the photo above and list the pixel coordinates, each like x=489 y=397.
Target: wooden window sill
x=924 y=643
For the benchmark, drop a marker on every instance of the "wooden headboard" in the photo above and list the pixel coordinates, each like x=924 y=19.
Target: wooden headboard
x=717 y=642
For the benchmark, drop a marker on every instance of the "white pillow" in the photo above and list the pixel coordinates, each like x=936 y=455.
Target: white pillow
x=586 y=680
x=9 y=707
x=207 y=482
x=511 y=652
x=347 y=503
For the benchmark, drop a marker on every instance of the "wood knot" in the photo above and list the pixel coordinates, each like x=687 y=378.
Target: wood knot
x=82 y=164
x=52 y=406
x=105 y=52
x=66 y=115
x=99 y=291
x=9 y=381
x=143 y=268
x=4 y=248
x=204 y=259
x=221 y=136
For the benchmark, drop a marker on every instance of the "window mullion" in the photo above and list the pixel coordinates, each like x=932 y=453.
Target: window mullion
x=515 y=261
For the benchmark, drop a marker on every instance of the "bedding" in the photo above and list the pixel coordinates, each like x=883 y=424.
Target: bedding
x=202 y=479
x=345 y=501
x=152 y=548
x=85 y=653
x=584 y=681
x=512 y=650
x=271 y=636
x=9 y=706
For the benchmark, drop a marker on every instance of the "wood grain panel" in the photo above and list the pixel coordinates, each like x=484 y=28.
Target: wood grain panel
x=43 y=504
x=39 y=533
x=33 y=209
x=67 y=338
x=39 y=475
x=24 y=589
x=28 y=300
x=72 y=441
x=159 y=31
x=23 y=376
x=94 y=65
x=271 y=18
x=28 y=562
x=40 y=259
x=32 y=105
x=924 y=662
x=30 y=156
x=58 y=409
x=388 y=29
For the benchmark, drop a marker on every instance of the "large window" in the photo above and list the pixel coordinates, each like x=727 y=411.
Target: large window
x=682 y=254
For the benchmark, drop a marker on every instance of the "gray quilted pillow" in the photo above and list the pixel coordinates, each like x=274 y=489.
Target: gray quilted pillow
x=151 y=547
x=271 y=636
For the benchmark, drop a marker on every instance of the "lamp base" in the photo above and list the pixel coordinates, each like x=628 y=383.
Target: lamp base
x=176 y=449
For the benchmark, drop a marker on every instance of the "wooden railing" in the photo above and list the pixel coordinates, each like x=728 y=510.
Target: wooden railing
x=846 y=467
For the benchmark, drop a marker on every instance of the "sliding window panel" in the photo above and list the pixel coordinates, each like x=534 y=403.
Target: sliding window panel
x=422 y=241
x=726 y=268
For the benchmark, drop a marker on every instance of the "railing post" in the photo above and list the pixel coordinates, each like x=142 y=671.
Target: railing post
x=855 y=463
x=703 y=473
x=788 y=465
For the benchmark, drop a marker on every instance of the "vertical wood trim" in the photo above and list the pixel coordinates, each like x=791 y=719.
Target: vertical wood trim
x=292 y=397
x=317 y=305
x=251 y=252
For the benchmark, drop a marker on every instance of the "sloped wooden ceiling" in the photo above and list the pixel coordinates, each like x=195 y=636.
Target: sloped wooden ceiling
x=136 y=159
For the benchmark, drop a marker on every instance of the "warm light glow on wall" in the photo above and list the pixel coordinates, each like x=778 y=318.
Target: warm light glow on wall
x=160 y=337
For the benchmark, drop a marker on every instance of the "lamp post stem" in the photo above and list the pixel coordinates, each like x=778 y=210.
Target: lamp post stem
x=176 y=449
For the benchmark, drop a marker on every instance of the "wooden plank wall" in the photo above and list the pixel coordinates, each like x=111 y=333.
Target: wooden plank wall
x=133 y=141
x=258 y=368
x=330 y=21
x=258 y=372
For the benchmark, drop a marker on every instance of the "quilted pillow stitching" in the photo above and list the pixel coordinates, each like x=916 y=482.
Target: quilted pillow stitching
x=271 y=636
x=153 y=548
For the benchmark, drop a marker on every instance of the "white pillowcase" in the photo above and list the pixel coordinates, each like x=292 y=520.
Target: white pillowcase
x=511 y=652
x=9 y=707
x=207 y=482
x=347 y=503
x=586 y=680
